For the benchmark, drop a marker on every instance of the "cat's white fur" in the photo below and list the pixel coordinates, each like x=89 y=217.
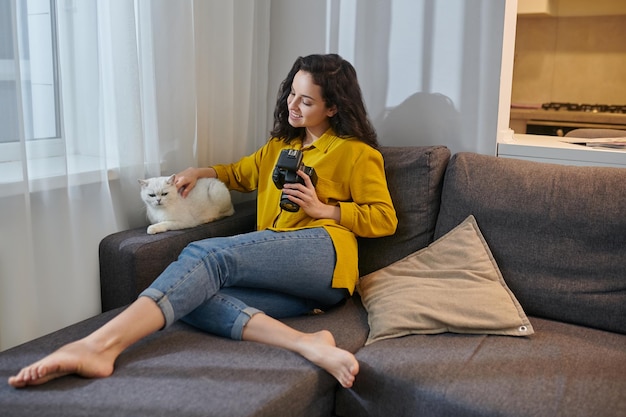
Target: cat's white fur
x=209 y=200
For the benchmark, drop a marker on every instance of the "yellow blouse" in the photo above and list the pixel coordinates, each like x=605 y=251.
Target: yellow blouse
x=350 y=174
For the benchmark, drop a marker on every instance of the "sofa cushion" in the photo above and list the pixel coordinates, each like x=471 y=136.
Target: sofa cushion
x=415 y=177
x=182 y=371
x=557 y=232
x=561 y=370
x=453 y=285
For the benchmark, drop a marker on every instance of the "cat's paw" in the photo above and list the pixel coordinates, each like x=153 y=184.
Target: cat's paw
x=156 y=228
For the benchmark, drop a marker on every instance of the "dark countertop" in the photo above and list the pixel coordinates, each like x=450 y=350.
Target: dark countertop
x=568 y=116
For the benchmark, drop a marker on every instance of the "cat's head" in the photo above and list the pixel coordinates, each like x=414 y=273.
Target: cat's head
x=158 y=191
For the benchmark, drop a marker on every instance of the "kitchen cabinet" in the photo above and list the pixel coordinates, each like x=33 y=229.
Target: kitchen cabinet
x=571 y=8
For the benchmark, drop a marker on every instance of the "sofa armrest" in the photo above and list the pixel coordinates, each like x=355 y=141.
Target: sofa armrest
x=131 y=259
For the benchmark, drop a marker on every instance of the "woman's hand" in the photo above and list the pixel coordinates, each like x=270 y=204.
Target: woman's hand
x=306 y=197
x=186 y=180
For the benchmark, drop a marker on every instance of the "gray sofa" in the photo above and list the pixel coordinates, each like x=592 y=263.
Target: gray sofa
x=558 y=235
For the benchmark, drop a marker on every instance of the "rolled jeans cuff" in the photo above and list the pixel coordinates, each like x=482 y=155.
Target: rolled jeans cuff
x=164 y=304
x=241 y=321
x=236 y=332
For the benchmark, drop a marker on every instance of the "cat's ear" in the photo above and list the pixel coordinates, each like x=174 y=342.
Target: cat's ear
x=170 y=180
x=143 y=182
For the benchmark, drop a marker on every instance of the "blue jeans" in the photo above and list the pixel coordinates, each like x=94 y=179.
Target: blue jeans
x=218 y=284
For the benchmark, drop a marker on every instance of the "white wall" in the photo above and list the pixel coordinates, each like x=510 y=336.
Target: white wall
x=430 y=70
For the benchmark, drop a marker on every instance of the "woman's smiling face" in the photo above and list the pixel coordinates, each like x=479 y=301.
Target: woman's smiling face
x=307 y=107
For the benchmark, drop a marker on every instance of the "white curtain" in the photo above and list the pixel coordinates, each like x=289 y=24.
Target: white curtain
x=430 y=70
x=104 y=93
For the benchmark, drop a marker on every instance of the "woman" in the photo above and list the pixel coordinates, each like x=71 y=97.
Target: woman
x=239 y=286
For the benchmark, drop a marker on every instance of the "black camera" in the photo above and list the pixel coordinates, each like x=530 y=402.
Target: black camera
x=285 y=172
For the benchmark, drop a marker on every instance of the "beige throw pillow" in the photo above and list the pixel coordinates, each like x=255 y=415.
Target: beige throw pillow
x=453 y=285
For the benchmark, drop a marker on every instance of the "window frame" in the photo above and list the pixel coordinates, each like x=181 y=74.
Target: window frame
x=13 y=70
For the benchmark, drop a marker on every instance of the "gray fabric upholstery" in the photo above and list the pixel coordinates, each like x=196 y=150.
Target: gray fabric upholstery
x=181 y=371
x=558 y=233
x=562 y=371
x=414 y=176
x=184 y=372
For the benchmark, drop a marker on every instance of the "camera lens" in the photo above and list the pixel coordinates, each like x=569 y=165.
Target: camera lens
x=287 y=204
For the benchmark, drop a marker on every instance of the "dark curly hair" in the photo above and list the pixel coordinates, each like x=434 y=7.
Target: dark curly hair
x=340 y=88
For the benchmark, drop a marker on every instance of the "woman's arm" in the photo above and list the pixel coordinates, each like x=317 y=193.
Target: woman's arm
x=371 y=212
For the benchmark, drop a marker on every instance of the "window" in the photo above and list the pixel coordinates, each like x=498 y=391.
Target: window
x=29 y=87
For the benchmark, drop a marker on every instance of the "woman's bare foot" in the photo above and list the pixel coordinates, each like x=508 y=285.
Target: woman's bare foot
x=95 y=355
x=81 y=357
x=321 y=349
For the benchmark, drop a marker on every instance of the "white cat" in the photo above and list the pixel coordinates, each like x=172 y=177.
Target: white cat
x=209 y=200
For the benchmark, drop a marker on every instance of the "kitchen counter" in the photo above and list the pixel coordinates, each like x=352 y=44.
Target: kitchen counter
x=558 y=122
x=553 y=149
x=569 y=116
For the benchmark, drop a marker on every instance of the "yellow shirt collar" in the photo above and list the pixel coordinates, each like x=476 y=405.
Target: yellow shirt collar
x=325 y=141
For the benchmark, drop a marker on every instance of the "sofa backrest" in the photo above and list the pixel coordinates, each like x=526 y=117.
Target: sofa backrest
x=558 y=233
x=415 y=177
